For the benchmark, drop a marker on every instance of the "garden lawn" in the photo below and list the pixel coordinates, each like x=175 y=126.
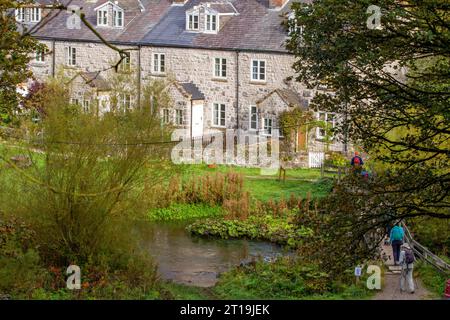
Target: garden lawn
x=299 y=181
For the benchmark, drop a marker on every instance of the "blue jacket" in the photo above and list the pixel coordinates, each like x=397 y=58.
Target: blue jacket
x=396 y=232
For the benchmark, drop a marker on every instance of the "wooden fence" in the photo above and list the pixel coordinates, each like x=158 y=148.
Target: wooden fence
x=425 y=254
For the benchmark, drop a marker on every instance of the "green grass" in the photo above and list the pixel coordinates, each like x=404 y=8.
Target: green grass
x=178 y=212
x=432 y=279
x=265 y=189
x=299 y=181
x=182 y=292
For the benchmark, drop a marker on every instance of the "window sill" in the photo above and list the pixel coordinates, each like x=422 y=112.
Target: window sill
x=159 y=75
x=219 y=79
x=218 y=127
x=38 y=64
x=258 y=82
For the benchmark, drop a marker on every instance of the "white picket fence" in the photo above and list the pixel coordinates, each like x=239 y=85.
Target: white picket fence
x=316 y=159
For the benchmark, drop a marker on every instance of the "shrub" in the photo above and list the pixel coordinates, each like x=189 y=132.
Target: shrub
x=286 y=278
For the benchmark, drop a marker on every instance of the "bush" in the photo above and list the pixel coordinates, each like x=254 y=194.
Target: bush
x=21 y=270
x=336 y=159
x=285 y=278
x=278 y=230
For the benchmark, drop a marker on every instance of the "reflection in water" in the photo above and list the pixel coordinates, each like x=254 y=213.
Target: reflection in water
x=198 y=261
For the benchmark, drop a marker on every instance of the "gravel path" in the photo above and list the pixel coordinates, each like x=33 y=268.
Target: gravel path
x=391 y=284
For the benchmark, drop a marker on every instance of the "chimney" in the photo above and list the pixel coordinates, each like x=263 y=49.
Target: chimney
x=273 y=4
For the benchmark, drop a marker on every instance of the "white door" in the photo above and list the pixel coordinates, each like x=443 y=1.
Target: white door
x=197 y=118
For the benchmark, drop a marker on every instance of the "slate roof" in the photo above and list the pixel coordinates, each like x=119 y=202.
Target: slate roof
x=137 y=23
x=290 y=97
x=193 y=91
x=95 y=80
x=255 y=28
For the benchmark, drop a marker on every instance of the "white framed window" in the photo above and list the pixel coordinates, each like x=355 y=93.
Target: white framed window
x=268 y=126
x=192 y=21
x=211 y=23
x=86 y=105
x=253 y=118
x=219 y=114
x=220 y=68
x=125 y=101
x=20 y=14
x=179 y=117
x=330 y=121
x=258 y=70
x=75 y=101
x=159 y=63
x=102 y=17
x=35 y=14
x=125 y=65
x=40 y=56
x=117 y=18
x=71 y=56
x=165 y=116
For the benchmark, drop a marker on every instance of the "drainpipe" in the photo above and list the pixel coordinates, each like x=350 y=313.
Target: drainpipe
x=237 y=89
x=139 y=76
x=192 y=118
x=53 y=58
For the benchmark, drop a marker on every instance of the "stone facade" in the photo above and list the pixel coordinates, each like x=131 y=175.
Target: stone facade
x=237 y=90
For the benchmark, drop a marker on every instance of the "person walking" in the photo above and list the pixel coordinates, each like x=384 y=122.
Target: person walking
x=407 y=260
x=357 y=163
x=396 y=240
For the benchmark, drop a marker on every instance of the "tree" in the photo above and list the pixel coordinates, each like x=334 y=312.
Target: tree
x=391 y=84
x=15 y=54
x=85 y=180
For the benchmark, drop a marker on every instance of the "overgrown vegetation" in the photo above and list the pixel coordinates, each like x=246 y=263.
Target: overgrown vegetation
x=431 y=278
x=78 y=198
x=274 y=221
x=181 y=211
x=390 y=86
x=286 y=279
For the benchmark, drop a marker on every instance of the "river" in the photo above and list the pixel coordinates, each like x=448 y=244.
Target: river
x=198 y=261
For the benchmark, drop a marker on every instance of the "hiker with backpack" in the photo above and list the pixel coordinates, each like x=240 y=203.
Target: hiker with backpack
x=357 y=163
x=407 y=260
x=396 y=240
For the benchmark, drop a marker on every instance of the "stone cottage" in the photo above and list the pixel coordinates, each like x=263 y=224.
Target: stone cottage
x=226 y=60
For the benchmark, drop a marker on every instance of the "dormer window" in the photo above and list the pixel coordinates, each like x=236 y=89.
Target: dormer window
x=118 y=18
x=20 y=15
x=32 y=15
x=35 y=14
x=211 y=23
x=109 y=14
x=193 y=21
x=102 y=17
